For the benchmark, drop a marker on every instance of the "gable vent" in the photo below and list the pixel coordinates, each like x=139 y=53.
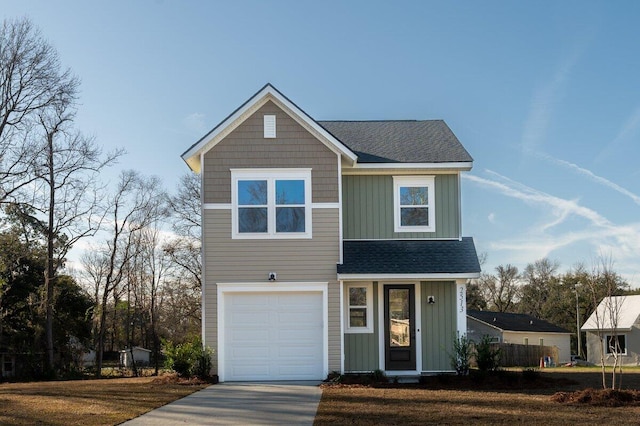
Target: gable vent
x=269 y=126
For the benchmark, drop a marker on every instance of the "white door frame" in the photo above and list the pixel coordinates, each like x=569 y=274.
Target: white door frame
x=418 y=326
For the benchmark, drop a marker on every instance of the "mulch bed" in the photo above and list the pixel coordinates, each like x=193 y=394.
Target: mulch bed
x=500 y=381
x=599 y=397
x=173 y=378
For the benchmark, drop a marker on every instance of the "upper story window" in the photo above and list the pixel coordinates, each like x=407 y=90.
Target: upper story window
x=413 y=199
x=271 y=203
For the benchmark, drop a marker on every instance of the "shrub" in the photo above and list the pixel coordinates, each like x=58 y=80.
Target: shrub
x=460 y=359
x=378 y=376
x=188 y=359
x=487 y=358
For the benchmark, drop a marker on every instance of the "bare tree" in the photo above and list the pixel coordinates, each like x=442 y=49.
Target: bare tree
x=184 y=283
x=501 y=290
x=67 y=194
x=539 y=287
x=184 y=249
x=152 y=267
x=135 y=204
x=31 y=83
x=604 y=287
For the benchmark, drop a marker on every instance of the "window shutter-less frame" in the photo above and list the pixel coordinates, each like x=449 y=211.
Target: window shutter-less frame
x=269 y=126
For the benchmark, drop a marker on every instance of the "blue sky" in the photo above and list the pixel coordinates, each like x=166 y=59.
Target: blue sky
x=545 y=95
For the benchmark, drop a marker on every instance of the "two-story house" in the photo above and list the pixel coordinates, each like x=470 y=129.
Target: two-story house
x=330 y=245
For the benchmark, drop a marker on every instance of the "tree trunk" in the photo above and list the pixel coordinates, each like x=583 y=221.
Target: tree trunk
x=49 y=280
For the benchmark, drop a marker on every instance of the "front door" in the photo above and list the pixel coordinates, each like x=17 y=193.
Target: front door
x=399 y=327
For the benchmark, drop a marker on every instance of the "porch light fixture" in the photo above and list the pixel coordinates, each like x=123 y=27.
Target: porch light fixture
x=272 y=276
x=431 y=300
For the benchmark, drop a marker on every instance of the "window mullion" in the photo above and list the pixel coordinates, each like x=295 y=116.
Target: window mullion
x=271 y=209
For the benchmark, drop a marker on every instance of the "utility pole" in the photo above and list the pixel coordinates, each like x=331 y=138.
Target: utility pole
x=578 y=321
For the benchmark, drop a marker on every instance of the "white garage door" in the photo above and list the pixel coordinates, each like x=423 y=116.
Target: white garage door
x=273 y=336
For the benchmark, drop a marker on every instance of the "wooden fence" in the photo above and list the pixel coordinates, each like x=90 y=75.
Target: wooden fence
x=512 y=355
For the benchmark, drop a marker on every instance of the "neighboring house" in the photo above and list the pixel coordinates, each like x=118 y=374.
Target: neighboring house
x=616 y=319
x=330 y=245
x=521 y=329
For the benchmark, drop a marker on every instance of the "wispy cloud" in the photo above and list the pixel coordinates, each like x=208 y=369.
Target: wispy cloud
x=592 y=176
x=560 y=207
x=630 y=128
x=195 y=123
x=543 y=104
x=537 y=240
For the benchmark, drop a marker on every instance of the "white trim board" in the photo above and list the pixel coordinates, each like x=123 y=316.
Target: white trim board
x=423 y=277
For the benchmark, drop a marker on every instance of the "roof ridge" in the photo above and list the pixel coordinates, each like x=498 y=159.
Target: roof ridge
x=380 y=121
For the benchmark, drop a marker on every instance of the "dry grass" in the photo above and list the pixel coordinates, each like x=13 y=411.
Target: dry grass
x=87 y=402
x=406 y=406
x=112 y=401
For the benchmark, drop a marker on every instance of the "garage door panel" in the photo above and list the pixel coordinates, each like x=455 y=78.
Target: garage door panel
x=284 y=341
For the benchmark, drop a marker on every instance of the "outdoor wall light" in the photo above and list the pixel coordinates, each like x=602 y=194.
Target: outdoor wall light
x=272 y=276
x=431 y=300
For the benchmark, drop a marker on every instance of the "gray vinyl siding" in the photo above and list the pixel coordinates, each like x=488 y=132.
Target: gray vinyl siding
x=476 y=330
x=246 y=147
x=361 y=349
x=438 y=324
x=249 y=261
x=368 y=208
x=631 y=359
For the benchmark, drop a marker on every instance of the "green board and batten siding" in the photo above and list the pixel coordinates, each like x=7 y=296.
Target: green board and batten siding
x=368 y=208
x=438 y=328
x=438 y=324
x=361 y=349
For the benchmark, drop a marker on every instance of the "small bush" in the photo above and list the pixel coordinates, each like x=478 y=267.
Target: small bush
x=487 y=358
x=188 y=359
x=378 y=376
x=460 y=359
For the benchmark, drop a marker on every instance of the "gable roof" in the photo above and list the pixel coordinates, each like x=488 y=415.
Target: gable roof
x=436 y=258
x=507 y=321
x=367 y=143
x=268 y=93
x=627 y=307
x=400 y=141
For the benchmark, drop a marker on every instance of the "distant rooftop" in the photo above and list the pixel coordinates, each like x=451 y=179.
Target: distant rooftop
x=507 y=321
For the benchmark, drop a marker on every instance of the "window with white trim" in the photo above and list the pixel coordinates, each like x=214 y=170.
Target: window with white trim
x=413 y=203
x=271 y=203
x=615 y=344
x=359 y=308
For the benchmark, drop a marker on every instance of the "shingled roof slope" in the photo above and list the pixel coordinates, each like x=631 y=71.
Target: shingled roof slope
x=404 y=141
x=507 y=321
x=410 y=257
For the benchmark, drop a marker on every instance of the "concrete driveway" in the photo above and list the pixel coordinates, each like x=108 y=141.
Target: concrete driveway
x=291 y=403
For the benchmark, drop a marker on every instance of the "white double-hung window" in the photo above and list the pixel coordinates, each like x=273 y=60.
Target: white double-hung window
x=414 y=203
x=271 y=203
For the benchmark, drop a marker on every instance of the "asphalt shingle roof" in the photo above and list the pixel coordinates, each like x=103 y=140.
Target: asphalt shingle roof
x=404 y=141
x=515 y=322
x=409 y=257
